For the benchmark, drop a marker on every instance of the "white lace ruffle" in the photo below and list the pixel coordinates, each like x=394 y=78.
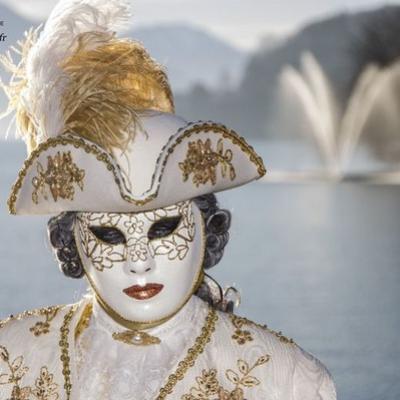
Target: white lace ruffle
x=109 y=369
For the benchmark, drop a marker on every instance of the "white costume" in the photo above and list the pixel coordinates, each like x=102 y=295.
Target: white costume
x=231 y=357
x=133 y=186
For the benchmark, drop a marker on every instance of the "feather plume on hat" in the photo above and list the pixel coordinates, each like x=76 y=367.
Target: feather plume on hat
x=77 y=76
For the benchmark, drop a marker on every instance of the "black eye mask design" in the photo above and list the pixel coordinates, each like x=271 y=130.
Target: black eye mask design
x=163 y=227
x=108 y=235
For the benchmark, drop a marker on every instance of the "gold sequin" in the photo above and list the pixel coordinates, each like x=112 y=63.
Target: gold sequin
x=202 y=161
x=60 y=176
x=243 y=336
x=43 y=327
x=64 y=347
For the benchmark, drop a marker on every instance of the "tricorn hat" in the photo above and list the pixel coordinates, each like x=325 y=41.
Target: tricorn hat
x=97 y=115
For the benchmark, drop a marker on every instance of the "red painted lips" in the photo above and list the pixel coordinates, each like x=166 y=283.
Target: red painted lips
x=143 y=292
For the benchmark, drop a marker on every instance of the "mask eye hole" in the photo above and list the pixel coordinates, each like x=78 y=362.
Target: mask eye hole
x=163 y=227
x=108 y=234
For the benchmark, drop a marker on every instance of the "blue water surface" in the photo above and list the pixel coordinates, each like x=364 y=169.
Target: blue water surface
x=318 y=261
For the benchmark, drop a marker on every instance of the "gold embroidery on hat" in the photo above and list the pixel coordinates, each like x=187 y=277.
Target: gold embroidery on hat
x=202 y=161
x=60 y=176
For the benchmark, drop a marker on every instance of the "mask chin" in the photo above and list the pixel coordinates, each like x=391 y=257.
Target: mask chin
x=142 y=273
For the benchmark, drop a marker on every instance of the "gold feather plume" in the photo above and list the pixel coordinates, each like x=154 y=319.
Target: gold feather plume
x=107 y=86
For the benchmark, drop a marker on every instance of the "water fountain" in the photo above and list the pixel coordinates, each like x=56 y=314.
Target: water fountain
x=336 y=134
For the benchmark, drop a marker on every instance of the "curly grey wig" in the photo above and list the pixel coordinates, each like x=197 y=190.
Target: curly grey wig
x=217 y=223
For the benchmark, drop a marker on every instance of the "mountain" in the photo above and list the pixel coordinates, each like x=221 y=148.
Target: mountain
x=190 y=54
x=253 y=108
x=193 y=56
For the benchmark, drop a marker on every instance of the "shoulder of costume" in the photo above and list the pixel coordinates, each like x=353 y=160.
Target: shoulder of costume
x=245 y=329
x=310 y=377
x=309 y=374
x=37 y=323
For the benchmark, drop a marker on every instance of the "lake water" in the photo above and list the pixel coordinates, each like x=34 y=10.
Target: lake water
x=318 y=261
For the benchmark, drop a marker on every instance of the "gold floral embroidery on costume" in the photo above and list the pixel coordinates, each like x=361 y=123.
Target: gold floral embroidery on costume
x=44 y=389
x=138 y=247
x=43 y=327
x=242 y=336
x=208 y=386
x=33 y=313
x=202 y=161
x=60 y=176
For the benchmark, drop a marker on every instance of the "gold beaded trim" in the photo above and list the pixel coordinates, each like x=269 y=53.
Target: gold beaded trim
x=205 y=127
x=31 y=313
x=101 y=155
x=64 y=346
x=192 y=354
x=240 y=321
x=54 y=142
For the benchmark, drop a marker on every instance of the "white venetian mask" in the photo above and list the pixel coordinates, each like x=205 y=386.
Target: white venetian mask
x=142 y=266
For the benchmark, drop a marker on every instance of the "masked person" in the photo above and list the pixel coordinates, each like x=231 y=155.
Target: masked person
x=131 y=187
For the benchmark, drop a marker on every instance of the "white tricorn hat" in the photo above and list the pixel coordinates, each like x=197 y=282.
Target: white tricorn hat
x=97 y=115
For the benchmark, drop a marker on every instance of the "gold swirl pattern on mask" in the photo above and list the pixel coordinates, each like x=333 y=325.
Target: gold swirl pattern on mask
x=202 y=161
x=102 y=255
x=105 y=255
x=60 y=176
x=208 y=386
x=44 y=389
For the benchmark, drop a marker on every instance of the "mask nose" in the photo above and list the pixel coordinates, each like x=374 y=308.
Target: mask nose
x=140 y=256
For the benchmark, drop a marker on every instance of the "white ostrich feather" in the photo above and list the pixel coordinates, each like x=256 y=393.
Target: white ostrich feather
x=58 y=40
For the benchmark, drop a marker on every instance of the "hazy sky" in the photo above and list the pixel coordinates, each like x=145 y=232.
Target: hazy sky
x=242 y=22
